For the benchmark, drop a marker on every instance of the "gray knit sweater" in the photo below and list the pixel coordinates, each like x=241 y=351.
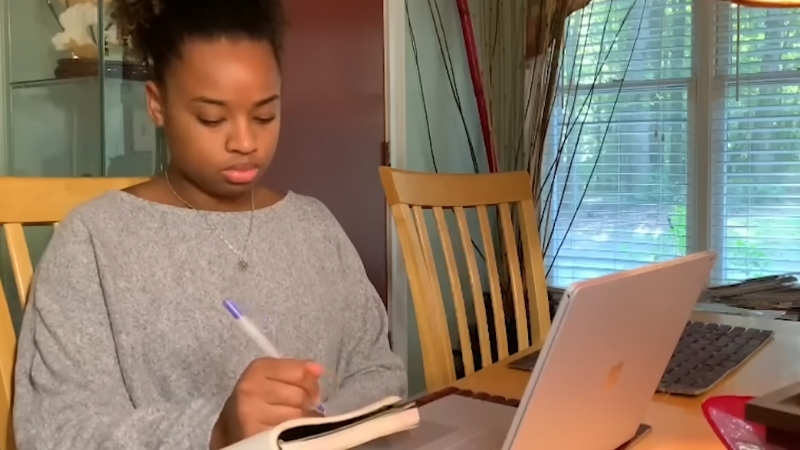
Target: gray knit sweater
x=125 y=343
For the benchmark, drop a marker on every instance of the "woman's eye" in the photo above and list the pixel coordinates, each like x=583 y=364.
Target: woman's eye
x=264 y=120
x=210 y=123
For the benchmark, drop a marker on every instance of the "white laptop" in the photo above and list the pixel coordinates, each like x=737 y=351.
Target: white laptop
x=608 y=347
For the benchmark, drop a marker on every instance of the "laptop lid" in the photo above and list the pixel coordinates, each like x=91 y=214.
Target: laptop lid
x=610 y=342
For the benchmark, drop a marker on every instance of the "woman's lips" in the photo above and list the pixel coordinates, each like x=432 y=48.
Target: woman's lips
x=240 y=176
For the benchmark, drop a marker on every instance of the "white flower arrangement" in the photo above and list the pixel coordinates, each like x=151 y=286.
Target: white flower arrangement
x=78 y=35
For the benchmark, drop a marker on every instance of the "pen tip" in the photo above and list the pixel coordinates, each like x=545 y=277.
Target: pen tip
x=232 y=309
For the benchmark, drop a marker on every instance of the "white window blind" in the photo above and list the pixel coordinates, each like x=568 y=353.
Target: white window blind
x=619 y=195
x=756 y=134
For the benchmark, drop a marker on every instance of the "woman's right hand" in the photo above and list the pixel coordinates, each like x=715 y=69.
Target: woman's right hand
x=269 y=392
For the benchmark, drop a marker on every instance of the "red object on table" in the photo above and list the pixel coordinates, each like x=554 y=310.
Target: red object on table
x=725 y=415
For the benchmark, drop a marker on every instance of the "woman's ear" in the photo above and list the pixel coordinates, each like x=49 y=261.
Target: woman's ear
x=155 y=103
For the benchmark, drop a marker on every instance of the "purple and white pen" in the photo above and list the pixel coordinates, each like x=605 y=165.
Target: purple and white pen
x=251 y=330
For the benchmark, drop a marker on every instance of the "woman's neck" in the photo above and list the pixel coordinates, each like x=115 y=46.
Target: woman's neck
x=190 y=195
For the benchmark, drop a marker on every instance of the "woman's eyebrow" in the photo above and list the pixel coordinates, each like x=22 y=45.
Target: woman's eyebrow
x=217 y=102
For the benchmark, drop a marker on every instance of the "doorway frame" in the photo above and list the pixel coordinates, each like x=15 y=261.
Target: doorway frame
x=394 y=46
x=5 y=92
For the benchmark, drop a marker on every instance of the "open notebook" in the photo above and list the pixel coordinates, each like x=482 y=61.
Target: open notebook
x=388 y=416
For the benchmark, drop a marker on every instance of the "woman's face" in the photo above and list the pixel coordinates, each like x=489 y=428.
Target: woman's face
x=219 y=105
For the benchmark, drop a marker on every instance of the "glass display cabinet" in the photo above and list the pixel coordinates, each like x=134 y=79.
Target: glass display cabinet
x=73 y=101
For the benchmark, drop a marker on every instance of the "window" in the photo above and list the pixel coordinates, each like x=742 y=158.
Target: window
x=670 y=145
x=622 y=122
x=756 y=142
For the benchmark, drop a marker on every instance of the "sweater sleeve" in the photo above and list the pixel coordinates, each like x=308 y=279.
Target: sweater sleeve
x=370 y=370
x=69 y=391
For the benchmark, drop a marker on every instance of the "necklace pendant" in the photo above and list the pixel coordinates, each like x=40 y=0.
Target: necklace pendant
x=242 y=265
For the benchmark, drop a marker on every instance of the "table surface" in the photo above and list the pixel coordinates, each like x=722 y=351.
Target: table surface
x=678 y=422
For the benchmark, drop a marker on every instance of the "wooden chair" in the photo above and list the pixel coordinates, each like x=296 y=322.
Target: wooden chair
x=409 y=194
x=33 y=201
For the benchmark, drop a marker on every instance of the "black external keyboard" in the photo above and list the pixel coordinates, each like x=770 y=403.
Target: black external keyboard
x=705 y=354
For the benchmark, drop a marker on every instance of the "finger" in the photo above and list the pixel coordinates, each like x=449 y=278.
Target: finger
x=260 y=419
x=289 y=371
x=311 y=384
x=303 y=374
x=316 y=369
x=284 y=394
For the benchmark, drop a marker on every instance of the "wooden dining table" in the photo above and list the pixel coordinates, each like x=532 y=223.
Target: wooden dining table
x=678 y=422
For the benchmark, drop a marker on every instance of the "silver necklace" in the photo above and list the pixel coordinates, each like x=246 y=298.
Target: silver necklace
x=242 y=263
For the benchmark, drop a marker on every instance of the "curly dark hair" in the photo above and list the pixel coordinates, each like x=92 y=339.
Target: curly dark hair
x=155 y=30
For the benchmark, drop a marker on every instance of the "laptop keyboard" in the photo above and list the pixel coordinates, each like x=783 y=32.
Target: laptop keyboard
x=705 y=354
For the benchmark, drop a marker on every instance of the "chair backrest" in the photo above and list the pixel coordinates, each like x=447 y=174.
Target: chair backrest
x=409 y=195
x=33 y=201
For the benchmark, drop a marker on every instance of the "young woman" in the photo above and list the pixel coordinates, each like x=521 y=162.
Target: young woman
x=125 y=342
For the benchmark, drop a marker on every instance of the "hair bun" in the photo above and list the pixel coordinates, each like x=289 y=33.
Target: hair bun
x=154 y=30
